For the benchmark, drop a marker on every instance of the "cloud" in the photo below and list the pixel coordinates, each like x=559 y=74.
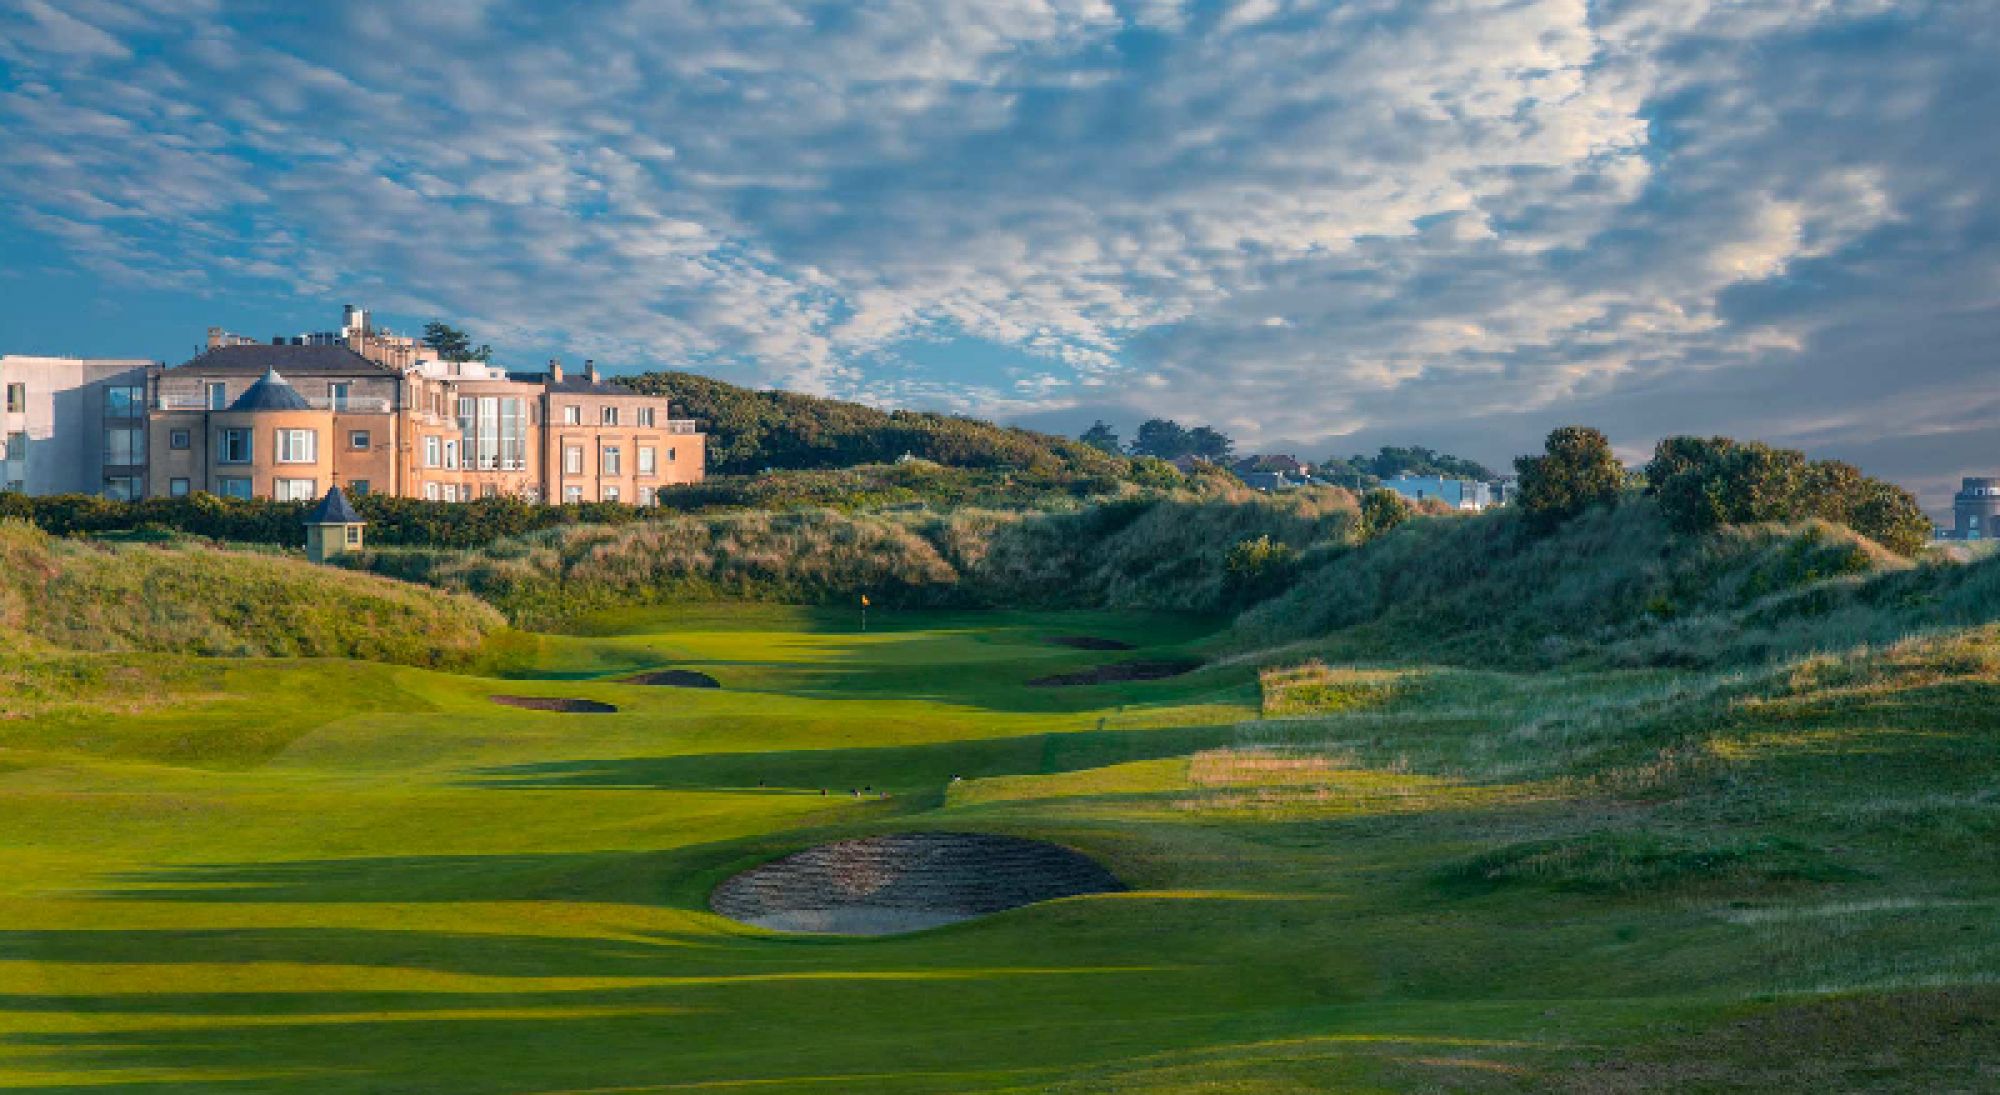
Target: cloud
x=1302 y=220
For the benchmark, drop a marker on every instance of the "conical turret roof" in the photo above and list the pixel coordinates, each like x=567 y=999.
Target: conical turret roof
x=270 y=393
x=334 y=509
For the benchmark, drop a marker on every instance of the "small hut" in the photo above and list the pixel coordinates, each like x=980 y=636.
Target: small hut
x=332 y=528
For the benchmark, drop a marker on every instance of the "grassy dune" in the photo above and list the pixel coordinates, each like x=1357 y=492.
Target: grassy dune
x=70 y=595
x=338 y=876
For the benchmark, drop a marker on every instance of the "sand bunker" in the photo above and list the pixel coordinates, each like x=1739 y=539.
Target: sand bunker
x=554 y=703
x=1120 y=671
x=1090 y=642
x=674 y=678
x=906 y=882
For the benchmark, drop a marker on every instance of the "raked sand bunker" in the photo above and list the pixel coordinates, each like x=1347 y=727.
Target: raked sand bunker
x=906 y=882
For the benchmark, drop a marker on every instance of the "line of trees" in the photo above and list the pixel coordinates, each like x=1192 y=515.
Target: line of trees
x=1163 y=439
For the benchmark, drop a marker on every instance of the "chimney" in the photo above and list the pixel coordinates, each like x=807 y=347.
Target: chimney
x=555 y=370
x=590 y=370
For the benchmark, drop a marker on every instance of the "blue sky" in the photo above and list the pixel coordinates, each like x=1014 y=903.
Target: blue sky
x=1319 y=226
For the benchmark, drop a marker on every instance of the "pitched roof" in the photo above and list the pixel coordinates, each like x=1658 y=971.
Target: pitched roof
x=258 y=358
x=334 y=509
x=270 y=393
x=576 y=385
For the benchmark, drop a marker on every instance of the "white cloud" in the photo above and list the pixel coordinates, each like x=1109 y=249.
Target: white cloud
x=1287 y=215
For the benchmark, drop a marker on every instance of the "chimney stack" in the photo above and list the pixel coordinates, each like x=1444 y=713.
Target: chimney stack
x=590 y=370
x=555 y=370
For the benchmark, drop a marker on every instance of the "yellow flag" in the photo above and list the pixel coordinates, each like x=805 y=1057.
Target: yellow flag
x=864 y=600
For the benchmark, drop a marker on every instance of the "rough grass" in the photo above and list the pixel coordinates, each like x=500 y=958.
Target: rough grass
x=78 y=596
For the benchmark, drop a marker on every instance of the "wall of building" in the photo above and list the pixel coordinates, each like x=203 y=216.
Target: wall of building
x=55 y=444
x=1976 y=509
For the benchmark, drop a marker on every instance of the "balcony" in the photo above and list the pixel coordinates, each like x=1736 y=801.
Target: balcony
x=351 y=405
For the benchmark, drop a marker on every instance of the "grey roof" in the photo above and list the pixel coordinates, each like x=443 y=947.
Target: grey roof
x=270 y=393
x=258 y=358
x=334 y=509
x=576 y=385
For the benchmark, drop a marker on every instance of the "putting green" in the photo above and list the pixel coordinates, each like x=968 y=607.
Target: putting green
x=344 y=877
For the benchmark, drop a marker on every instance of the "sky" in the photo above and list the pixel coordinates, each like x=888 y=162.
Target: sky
x=1320 y=227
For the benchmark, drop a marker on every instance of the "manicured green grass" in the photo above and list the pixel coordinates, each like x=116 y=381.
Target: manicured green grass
x=323 y=875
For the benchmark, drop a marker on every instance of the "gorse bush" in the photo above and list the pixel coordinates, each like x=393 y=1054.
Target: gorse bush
x=1704 y=483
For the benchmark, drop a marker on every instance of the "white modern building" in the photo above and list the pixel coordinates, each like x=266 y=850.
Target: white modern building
x=1465 y=494
x=71 y=425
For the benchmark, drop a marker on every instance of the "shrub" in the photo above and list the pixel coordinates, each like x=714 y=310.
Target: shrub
x=1382 y=510
x=1704 y=483
x=1576 y=471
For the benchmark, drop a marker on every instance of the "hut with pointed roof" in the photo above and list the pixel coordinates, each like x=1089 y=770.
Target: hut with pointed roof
x=333 y=528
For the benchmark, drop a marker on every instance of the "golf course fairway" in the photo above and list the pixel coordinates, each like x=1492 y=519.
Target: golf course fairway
x=260 y=875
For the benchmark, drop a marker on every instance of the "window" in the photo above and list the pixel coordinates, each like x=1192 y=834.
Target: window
x=357 y=487
x=572 y=416
x=232 y=446
x=295 y=490
x=124 y=446
x=353 y=536
x=121 y=488
x=430 y=492
x=611 y=494
x=218 y=396
x=450 y=492
x=573 y=460
x=451 y=455
x=17 y=399
x=433 y=452
x=513 y=434
x=608 y=416
x=671 y=457
x=646 y=417
x=612 y=458
x=358 y=439
x=337 y=393
x=125 y=401
x=298 y=446
x=646 y=496
x=177 y=488
x=572 y=494
x=236 y=488
x=180 y=439
x=17 y=486
x=487 y=443
x=649 y=460
x=17 y=446
x=488 y=490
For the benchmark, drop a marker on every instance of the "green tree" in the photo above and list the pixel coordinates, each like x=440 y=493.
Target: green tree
x=451 y=344
x=1576 y=470
x=1102 y=437
x=1705 y=482
x=1161 y=437
x=1209 y=443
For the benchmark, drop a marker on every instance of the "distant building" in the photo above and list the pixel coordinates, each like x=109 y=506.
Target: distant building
x=1976 y=510
x=1465 y=494
x=1283 y=463
x=358 y=409
x=73 y=425
x=1271 y=480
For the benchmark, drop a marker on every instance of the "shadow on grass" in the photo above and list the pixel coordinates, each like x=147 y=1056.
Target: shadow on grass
x=902 y=769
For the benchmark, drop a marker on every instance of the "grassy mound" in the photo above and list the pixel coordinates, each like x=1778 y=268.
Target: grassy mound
x=77 y=596
x=1614 y=587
